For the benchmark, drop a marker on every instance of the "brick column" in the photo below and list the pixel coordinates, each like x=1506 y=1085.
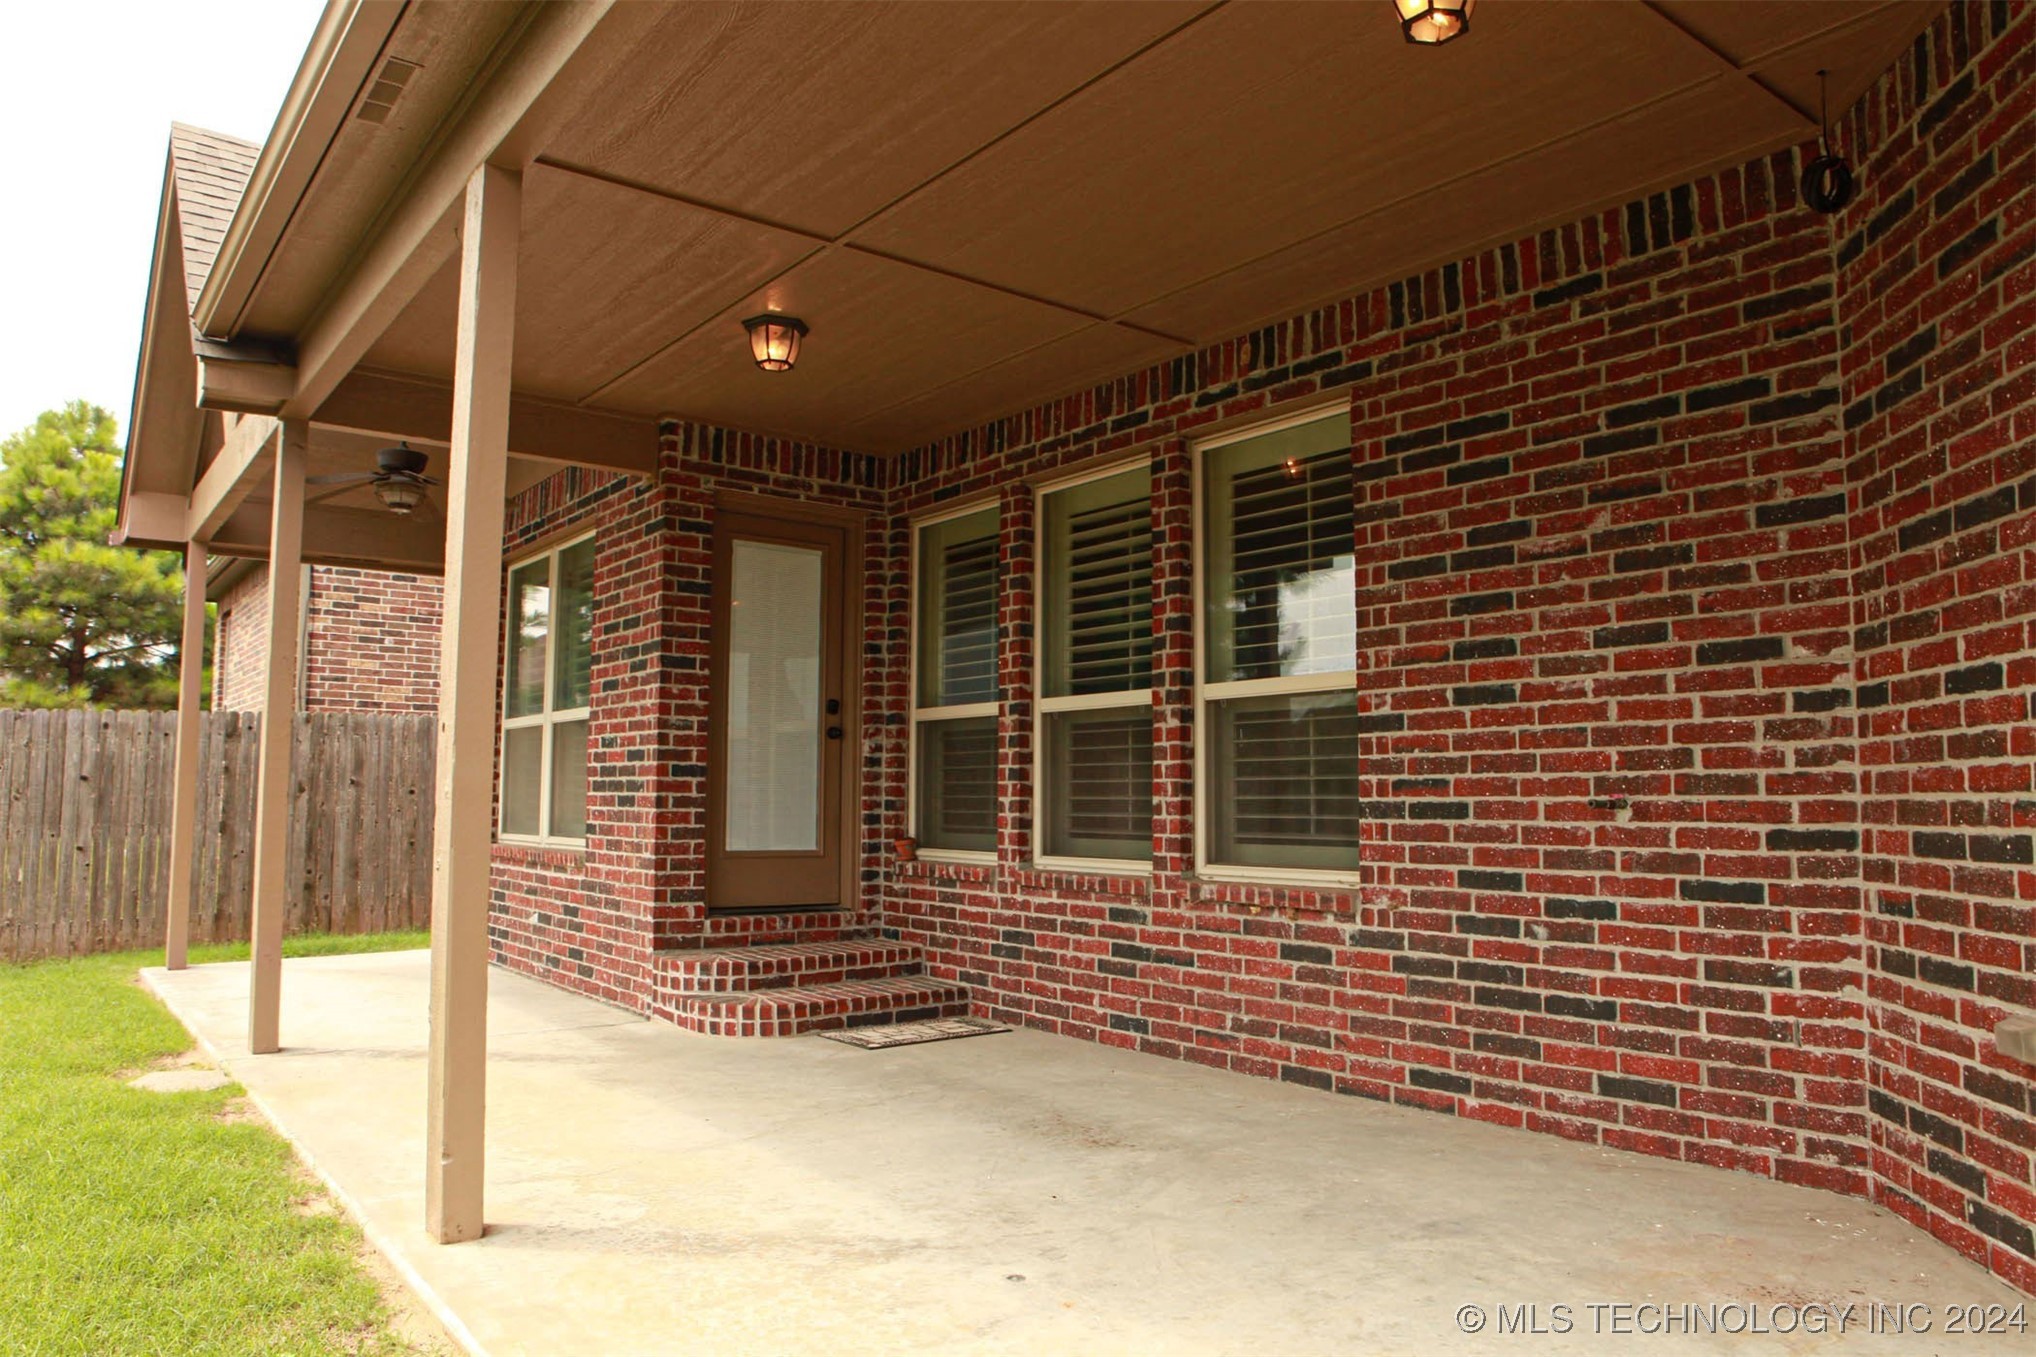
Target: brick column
x=1173 y=674
x=1015 y=611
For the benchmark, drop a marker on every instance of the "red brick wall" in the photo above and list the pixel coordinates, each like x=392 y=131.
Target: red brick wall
x=1937 y=315
x=371 y=642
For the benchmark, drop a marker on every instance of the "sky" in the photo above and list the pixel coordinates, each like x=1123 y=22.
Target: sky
x=90 y=89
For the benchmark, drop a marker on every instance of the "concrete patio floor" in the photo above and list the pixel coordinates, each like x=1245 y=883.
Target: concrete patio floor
x=652 y=1192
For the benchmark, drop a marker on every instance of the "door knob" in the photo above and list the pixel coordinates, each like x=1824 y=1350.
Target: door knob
x=834 y=732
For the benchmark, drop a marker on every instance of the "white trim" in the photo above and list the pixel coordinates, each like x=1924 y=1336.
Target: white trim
x=1095 y=866
x=959 y=712
x=1284 y=876
x=547 y=718
x=1041 y=489
x=1127 y=697
x=1327 y=681
x=1294 y=419
x=970 y=857
x=961 y=508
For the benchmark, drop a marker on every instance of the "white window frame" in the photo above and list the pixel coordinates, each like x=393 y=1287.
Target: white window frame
x=546 y=718
x=959 y=711
x=1207 y=693
x=1044 y=706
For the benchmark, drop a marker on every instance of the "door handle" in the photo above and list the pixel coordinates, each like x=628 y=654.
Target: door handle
x=834 y=732
x=834 y=706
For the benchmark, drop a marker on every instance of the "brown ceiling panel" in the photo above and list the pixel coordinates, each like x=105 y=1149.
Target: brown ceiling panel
x=1068 y=364
x=817 y=114
x=883 y=332
x=1265 y=124
x=1745 y=31
x=1651 y=148
x=1854 y=58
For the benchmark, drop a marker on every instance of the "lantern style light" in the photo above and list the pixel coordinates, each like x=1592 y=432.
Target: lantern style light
x=774 y=340
x=1434 y=22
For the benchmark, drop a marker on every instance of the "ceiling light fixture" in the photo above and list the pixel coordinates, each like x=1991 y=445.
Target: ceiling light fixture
x=1430 y=23
x=774 y=340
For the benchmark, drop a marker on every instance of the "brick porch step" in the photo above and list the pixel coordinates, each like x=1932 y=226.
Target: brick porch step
x=727 y=970
x=790 y=1010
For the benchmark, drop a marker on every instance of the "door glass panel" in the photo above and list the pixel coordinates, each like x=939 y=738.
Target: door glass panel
x=772 y=786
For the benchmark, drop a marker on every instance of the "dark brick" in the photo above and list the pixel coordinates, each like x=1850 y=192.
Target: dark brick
x=1888 y=217
x=1746 y=650
x=1954 y=96
x=1728 y=393
x=1438 y=810
x=2016 y=1234
x=1421 y=438
x=1482 y=558
x=1130 y=951
x=1911 y=350
x=1633 y=634
x=1605 y=444
x=1483 y=694
x=1478 y=425
x=1873 y=694
x=1974 y=678
x=1733 y=971
x=1893 y=392
x=1724 y=892
x=1492 y=533
x=1781 y=303
x=1623 y=490
x=1798 y=511
x=1430 y=458
x=1123 y=1022
x=1795 y=405
x=1933 y=1127
x=1485 y=648
x=1654 y=558
x=1574 y=288
x=1953 y=1169
x=1986 y=508
x=1637 y=1090
x=1560 y=908
x=1471 y=605
x=2005 y=848
x=1505 y=996
x=1948 y=847
x=1821 y=700
x=1946 y=974
x=1419 y=568
x=1968 y=246
x=1642 y=412
x=1437 y=1080
x=1479 y=471
x=1307 y=1078
x=1813 y=840
x=1473 y=879
x=1307 y=953
x=1575 y=1006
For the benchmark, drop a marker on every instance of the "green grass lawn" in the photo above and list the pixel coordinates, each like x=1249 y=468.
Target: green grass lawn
x=134 y=1222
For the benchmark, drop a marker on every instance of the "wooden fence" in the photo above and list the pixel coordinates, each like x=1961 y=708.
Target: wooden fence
x=85 y=827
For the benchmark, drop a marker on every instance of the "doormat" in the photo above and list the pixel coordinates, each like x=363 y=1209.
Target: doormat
x=912 y=1033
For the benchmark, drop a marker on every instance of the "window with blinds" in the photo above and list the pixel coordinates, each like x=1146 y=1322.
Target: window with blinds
x=1094 y=787
x=1279 y=659
x=954 y=717
x=548 y=686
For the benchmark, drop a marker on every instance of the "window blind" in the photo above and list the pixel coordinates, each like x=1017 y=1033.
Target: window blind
x=1109 y=598
x=1291 y=523
x=968 y=621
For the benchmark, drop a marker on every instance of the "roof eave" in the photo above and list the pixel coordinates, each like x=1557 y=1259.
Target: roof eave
x=344 y=50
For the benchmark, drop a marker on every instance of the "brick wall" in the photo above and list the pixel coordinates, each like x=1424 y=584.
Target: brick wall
x=371 y=642
x=1937 y=317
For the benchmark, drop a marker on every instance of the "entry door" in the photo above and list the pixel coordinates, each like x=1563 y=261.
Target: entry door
x=779 y=714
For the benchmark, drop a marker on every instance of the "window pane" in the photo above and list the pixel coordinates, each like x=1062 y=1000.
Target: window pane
x=1098 y=597
x=529 y=631
x=568 y=779
x=570 y=681
x=958 y=611
x=957 y=784
x=1098 y=789
x=522 y=778
x=1282 y=583
x=772 y=786
x=1284 y=790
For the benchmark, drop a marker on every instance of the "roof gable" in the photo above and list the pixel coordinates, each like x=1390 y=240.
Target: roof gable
x=210 y=173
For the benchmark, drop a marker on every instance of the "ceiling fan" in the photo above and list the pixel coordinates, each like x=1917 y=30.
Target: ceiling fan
x=398 y=479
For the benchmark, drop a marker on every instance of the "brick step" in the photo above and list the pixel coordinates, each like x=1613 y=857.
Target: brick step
x=730 y=970
x=782 y=929
x=787 y=1012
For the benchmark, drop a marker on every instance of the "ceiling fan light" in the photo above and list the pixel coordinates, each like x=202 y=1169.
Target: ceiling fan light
x=1430 y=23
x=774 y=340
x=400 y=495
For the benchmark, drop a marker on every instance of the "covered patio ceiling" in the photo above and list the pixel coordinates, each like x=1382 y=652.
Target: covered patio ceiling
x=977 y=207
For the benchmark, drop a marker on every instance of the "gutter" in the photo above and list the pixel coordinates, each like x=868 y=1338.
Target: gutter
x=338 y=64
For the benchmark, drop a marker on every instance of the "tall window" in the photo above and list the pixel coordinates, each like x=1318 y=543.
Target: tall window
x=546 y=686
x=1278 y=654
x=954 y=716
x=1095 y=669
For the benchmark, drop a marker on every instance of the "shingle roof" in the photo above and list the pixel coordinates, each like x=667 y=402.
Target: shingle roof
x=211 y=172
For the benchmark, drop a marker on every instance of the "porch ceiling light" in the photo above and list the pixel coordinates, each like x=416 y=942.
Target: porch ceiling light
x=1434 y=22
x=774 y=340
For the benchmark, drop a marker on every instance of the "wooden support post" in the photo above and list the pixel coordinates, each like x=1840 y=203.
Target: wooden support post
x=279 y=725
x=184 y=795
x=476 y=481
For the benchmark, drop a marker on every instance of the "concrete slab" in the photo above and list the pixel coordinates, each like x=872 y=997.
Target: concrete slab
x=651 y=1191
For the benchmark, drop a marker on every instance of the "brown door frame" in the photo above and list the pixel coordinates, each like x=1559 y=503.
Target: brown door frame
x=731 y=509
